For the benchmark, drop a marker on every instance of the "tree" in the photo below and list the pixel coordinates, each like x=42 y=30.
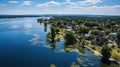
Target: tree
x=83 y=29
x=57 y=30
x=70 y=38
x=41 y=20
x=45 y=24
x=118 y=38
x=100 y=28
x=107 y=31
x=91 y=24
x=52 y=33
x=106 y=53
x=95 y=32
x=52 y=20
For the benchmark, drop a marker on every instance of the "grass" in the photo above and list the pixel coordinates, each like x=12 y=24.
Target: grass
x=68 y=48
x=116 y=53
x=95 y=47
x=60 y=34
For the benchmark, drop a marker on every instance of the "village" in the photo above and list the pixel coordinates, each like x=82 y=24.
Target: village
x=92 y=32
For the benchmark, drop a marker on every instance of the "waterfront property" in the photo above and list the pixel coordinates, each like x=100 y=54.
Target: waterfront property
x=25 y=42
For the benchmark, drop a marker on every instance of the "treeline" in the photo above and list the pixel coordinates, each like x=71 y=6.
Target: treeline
x=17 y=16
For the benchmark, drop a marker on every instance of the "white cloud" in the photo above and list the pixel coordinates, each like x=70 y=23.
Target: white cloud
x=104 y=10
x=69 y=3
x=89 y=2
x=97 y=10
x=48 y=4
x=2 y=5
x=41 y=5
x=68 y=0
x=27 y=2
x=54 y=3
x=13 y=2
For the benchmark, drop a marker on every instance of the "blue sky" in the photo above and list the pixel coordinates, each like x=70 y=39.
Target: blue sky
x=97 y=7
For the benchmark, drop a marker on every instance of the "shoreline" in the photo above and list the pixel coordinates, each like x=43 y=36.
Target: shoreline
x=96 y=53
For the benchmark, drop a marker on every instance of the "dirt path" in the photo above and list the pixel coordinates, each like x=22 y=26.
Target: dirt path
x=96 y=53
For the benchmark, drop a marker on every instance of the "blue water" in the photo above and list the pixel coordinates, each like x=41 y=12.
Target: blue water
x=23 y=44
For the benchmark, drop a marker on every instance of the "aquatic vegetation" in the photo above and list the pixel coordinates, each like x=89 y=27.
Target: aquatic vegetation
x=52 y=65
x=74 y=65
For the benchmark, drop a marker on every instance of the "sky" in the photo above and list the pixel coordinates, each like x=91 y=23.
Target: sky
x=92 y=7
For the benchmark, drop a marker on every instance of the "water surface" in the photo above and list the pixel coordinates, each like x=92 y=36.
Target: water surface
x=23 y=44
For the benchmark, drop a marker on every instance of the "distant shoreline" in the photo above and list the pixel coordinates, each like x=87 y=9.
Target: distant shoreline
x=17 y=16
x=46 y=15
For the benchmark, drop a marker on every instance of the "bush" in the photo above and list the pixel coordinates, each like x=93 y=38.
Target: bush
x=106 y=53
x=107 y=32
x=118 y=36
x=83 y=29
x=91 y=24
x=57 y=30
x=95 y=32
x=70 y=38
x=53 y=33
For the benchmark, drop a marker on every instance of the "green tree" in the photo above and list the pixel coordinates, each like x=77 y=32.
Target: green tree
x=107 y=31
x=118 y=38
x=52 y=33
x=41 y=20
x=57 y=30
x=70 y=38
x=52 y=20
x=100 y=28
x=106 y=53
x=83 y=29
x=95 y=32
x=91 y=24
x=45 y=24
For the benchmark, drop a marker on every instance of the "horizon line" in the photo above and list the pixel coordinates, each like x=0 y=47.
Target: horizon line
x=63 y=14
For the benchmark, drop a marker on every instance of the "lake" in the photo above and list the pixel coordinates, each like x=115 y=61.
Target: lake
x=23 y=44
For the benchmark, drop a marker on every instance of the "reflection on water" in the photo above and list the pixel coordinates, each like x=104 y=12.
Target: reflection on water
x=35 y=40
x=23 y=44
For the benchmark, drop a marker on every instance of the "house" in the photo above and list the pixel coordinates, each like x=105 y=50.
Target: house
x=87 y=36
x=112 y=35
x=102 y=33
x=67 y=26
x=78 y=37
x=69 y=29
x=100 y=40
x=94 y=27
x=76 y=27
x=112 y=44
